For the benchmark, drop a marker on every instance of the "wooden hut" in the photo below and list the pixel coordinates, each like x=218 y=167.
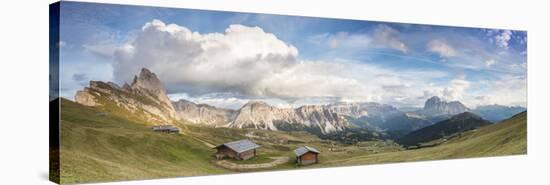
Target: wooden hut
x=306 y=155
x=240 y=150
x=165 y=128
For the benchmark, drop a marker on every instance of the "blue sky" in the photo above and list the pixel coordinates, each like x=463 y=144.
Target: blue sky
x=289 y=60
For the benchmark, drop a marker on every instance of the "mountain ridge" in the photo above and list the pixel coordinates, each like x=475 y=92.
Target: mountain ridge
x=146 y=99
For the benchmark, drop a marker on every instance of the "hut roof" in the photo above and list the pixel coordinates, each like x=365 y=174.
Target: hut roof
x=304 y=149
x=241 y=145
x=165 y=128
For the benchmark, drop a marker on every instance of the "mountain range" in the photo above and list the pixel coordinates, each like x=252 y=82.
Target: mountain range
x=145 y=100
x=456 y=124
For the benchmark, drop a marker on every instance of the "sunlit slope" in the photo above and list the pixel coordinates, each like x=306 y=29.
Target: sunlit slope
x=97 y=147
x=508 y=137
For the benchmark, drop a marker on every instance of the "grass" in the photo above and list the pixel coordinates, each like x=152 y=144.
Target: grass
x=260 y=158
x=505 y=138
x=106 y=148
x=96 y=148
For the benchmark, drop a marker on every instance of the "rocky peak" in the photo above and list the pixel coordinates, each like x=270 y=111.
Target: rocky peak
x=148 y=81
x=256 y=107
x=254 y=103
x=435 y=106
x=203 y=114
x=260 y=115
x=310 y=107
x=433 y=101
x=145 y=95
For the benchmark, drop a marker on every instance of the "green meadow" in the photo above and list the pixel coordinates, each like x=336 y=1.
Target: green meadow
x=97 y=147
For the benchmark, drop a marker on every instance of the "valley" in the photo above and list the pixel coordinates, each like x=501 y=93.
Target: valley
x=104 y=147
x=106 y=133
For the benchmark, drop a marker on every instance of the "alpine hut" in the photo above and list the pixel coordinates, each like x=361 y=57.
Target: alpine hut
x=165 y=128
x=240 y=150
x=306 y=155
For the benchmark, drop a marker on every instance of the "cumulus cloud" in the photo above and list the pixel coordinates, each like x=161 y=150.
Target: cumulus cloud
x=502 y=38
x=441 y=47
x=245 y=63
x=456 y=89
x=245 y=60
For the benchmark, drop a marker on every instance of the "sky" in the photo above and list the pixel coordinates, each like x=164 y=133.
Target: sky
x=226 y=59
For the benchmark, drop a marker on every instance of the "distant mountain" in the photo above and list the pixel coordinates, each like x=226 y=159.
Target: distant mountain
x=410 y=109
x=435 y=107
x=313 y=118
x=456 y=124
x=203 y=114
x=378 y=117
x=436 y=110
x=496 y=113
x=144 y=100
x=369 y=109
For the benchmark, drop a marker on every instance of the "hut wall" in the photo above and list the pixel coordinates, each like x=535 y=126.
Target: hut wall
x=223 y=150
x=308 y=158
x=247 y=154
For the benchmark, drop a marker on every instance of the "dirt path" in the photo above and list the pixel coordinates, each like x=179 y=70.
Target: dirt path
x=205 y=143
x=200 y=140
x=234 y=166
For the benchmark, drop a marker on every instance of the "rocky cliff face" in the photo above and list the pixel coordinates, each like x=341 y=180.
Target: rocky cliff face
x=145 y=99
x=203 y=114
x=325 y=119
x=349 y=109
x=315 y=118
x=436 y=107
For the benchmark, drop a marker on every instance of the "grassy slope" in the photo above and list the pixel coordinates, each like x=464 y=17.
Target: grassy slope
x=106 y=148
x=103 y=148
x=505 y=138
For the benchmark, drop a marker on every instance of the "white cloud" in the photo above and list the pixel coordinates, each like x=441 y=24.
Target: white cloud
x=381 y=37
x=502 y=38
x=441 y=47
x=389 y=37
x=456 y=89
x=507 y=90
x=490 y=62
x=244 y=60
x=246 y=63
